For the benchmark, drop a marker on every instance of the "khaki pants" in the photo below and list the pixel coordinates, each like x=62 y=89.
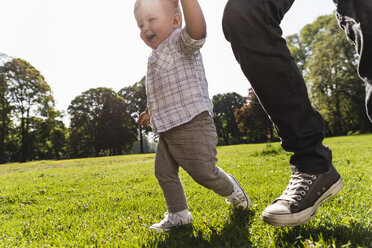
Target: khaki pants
x=193 y=147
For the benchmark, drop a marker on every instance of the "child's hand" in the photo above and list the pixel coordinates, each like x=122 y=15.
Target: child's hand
x=144 y=119
x=175 y=3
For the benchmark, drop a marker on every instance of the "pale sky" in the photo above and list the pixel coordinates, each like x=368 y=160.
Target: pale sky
x=83 y=44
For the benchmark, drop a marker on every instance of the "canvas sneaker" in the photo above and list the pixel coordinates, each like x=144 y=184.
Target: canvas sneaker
x=173 y=220
x=238 y=197
x=303 y=195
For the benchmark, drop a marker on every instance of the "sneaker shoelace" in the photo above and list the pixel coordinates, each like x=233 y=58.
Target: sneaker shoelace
x=236 y=197
x=170 y=218
x=298 y=185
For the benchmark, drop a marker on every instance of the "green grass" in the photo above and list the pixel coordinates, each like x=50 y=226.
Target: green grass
x=112 y=201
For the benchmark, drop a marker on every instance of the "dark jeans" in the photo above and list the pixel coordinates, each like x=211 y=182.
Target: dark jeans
x=252 y=27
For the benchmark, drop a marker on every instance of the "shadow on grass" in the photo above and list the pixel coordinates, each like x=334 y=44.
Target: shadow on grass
x=235 y=233
x=327 y=234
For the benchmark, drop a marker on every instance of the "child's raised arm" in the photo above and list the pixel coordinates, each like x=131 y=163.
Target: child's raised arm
x=194 y=18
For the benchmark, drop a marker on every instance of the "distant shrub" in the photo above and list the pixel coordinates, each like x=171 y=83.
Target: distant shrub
x=353 y=133
x=269 y=149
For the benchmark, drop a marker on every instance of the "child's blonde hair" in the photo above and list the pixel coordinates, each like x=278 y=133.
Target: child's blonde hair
x=176 y=10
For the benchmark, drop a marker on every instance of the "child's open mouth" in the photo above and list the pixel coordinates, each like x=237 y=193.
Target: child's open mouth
x=150 y=37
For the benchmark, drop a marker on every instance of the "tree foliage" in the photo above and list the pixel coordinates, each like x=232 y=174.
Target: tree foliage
x=103 y=121
x=4 y=116
x=224 y=106
x=25 y=99
x=135 y=98
x=100 y=124
x=253 y=121
x=329 y=63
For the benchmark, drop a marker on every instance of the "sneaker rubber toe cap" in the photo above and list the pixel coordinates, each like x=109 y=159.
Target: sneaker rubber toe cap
x=276 y=209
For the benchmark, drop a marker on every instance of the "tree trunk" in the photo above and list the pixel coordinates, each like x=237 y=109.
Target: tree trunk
x=141 y=140
x=3 y=121
x=338 y=125
x=225 y=136
x=3 y=131
x=23 y=145
x=271 y=132
x=96 y=150
x=363 y=121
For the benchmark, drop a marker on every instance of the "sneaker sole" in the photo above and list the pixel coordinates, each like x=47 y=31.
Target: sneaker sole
x=159 y=229
x=167 y=229
x=306 y=214
x=245 y=194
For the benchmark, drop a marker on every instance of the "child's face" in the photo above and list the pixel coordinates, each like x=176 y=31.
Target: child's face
x=156 y=21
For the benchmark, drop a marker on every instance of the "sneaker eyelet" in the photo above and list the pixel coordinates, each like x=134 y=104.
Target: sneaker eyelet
x=296 y=203
x=310 y=182
x=298 y=198
x=313 y=177
x=307 y=188
x=303 y=193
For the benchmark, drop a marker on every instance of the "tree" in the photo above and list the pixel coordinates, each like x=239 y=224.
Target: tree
x=334 y=83
x=49 y=136
x=100 y=124
x=329 y=64
x=28 y=95
x=5 y=111
x=4 y=108
x=136 y=100
x=224 y=106
x=148 y=145
x=253 y=121
x=299 y=51
x=118 y=128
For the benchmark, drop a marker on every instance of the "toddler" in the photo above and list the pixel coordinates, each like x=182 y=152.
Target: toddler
x=179 y=108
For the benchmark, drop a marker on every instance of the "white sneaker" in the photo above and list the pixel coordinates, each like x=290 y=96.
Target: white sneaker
x=238 y=197
x=172 y=220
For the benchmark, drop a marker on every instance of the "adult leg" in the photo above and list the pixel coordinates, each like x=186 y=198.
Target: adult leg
x=355 y=18
x=252 y=27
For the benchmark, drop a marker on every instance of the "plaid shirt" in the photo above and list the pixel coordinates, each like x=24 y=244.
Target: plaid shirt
x=176 y=86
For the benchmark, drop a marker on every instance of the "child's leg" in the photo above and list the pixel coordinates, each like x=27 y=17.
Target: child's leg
x=166 y=171
x=193 y=147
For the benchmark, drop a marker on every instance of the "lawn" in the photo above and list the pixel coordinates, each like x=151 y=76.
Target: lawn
x=112 y=201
